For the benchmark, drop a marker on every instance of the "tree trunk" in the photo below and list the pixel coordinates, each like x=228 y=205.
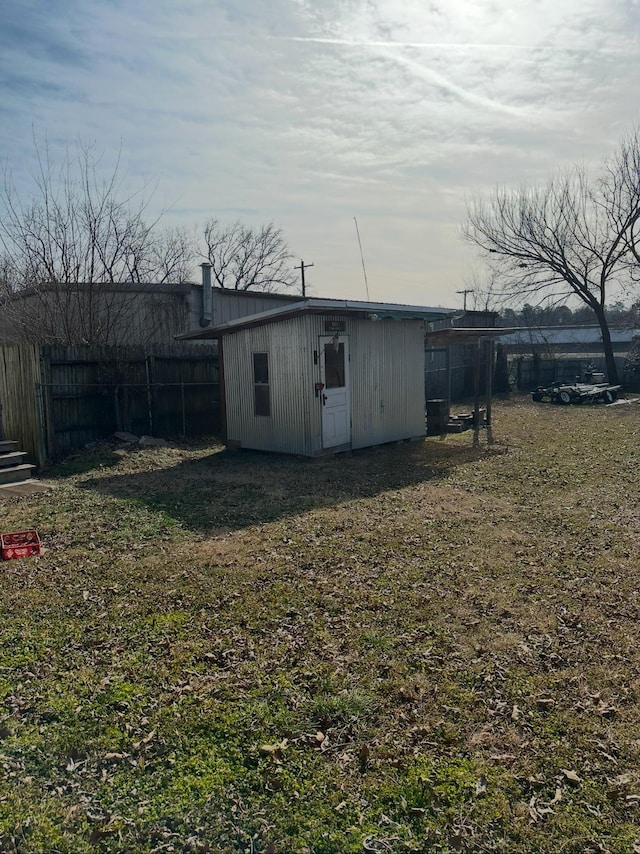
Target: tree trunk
x=607 y=346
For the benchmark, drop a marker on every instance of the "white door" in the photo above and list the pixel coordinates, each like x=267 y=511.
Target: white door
x=336 y=394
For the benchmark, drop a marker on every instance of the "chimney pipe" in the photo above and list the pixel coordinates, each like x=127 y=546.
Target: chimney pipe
x=207 y=297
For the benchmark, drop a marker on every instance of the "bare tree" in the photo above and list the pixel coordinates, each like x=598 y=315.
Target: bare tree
x=169 y=257
x=567 y=237
x=620 y=197
x=79 y=231
x=244 y=258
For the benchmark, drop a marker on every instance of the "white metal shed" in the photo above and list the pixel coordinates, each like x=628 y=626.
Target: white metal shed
x=322 y=376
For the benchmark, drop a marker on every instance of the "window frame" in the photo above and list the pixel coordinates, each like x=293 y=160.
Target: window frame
x=261 y=386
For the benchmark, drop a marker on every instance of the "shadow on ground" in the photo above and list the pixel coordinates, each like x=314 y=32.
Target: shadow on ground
x=229 y=490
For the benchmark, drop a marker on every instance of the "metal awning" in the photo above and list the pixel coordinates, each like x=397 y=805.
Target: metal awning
x=460 y=335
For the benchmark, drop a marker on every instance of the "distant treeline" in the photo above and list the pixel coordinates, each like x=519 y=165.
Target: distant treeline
x=618 y=314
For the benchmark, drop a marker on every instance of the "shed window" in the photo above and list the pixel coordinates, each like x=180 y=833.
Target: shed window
x=334 y=365
x=261 y=399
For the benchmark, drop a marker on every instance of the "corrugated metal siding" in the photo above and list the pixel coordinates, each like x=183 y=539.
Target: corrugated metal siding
x=234 y=304
x=103 y=315
x=387 y=365
x=288 y=429
x=231 y=304
x=387 y=378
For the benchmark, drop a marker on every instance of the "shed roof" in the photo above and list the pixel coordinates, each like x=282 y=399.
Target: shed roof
x=372 y=310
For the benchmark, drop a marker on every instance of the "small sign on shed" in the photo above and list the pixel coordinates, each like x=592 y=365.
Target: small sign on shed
x=335 y=325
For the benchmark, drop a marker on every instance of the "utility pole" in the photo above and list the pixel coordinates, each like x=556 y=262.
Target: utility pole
x=302 y=268
x=465 y=292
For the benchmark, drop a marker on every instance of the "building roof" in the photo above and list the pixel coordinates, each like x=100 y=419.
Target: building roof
x=372 y=310
x=102 y=287
x=276 y=296
x=453 y=335
x=556 y=335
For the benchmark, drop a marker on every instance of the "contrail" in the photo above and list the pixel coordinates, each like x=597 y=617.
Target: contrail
x=452 y=45
x=440 y=80
x=387 y=44
x=386 y=49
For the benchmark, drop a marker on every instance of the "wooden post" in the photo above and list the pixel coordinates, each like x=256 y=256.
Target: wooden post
x=302 y=268
x=41 y=425
x=489 y=348
x=116 y=408
x=47 y=392
x=148 y=366
x=476 y=394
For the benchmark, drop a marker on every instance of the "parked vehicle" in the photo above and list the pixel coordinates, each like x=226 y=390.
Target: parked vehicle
x=593 y=388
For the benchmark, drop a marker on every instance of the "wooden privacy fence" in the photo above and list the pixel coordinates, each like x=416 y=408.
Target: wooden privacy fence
x=72 y=396
x=20 y=372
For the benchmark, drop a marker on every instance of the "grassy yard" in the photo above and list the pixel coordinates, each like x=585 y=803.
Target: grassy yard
x=422 y=647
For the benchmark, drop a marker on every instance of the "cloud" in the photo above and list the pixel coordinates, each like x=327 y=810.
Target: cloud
x=310 y=112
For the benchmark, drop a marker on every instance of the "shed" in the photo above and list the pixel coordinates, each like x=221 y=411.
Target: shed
x=321 y=376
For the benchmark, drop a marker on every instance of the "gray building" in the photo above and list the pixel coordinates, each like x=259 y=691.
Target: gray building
x=540 y=356
x=581 y=341
x=123 y=314
x=320 y=375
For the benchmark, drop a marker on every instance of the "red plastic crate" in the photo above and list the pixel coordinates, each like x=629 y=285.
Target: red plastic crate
x=19 y=544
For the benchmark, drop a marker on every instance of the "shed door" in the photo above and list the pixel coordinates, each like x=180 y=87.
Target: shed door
x=336 y=394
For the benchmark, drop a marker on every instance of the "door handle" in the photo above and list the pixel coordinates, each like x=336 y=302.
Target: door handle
x=324 y=399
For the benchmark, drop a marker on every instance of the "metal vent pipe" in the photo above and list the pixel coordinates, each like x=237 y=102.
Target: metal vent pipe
x=207 y=297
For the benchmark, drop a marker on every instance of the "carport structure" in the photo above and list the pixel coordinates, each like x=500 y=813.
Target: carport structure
x=483 y=342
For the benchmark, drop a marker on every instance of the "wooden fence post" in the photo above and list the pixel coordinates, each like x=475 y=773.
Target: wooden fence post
x=490 y=354
x=476 y=393
x=47 y=408
x=149 y=371
x=39 y=391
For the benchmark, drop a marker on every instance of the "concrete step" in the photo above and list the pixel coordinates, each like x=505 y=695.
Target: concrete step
x=8 y=445
x=16 y=474
x=12 y=459
x=25 y=487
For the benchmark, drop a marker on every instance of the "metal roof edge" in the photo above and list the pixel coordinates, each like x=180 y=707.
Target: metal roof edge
x=110 y=287
x=276 y=296
x=464 y=334
x=323 y=306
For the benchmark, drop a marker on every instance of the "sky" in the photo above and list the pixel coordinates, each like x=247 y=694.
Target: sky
x=320 y=114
